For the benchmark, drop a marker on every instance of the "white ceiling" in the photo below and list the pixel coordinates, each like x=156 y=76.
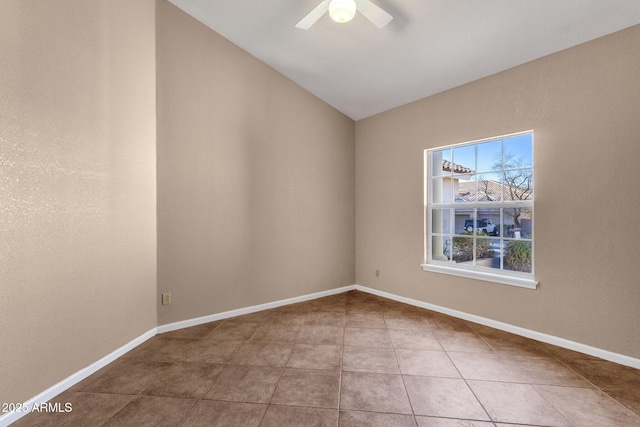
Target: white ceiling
x=430 y=45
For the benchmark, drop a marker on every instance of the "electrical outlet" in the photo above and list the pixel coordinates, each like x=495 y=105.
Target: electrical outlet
x=166 y=298
x=377 y=273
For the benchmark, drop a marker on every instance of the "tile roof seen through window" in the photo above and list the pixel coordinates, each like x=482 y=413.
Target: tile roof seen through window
x=489 y=190
x=452 y=167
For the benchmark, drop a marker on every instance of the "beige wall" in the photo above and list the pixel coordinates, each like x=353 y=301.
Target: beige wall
x=77 y=186
x=583 y=104
x=256 y=178
x=257 y=190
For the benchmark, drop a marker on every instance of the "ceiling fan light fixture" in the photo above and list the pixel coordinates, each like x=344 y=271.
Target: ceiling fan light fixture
x=342 y=10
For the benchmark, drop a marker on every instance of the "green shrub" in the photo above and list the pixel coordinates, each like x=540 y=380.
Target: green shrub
x=463 y=249
x=517 y=256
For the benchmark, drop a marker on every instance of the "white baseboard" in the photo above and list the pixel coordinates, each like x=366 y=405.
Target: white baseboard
x=539 y=336
x=75 y=378
x=252 y=309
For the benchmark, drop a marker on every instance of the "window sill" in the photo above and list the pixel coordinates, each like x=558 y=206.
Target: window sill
x=478 y=275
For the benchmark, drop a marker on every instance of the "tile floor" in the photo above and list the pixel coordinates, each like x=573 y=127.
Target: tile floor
x=351 y=359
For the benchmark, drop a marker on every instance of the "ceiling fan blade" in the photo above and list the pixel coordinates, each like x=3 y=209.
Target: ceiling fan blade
x=306 y=22
x=373 y=13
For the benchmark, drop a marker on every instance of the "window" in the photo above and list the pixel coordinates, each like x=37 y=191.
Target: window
x=479 y=210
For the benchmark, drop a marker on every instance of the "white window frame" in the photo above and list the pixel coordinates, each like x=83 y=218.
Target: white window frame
x=450 y=267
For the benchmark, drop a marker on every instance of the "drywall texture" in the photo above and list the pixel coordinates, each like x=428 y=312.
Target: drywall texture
x=256 y=178
x=583 y=105
x=77 y=186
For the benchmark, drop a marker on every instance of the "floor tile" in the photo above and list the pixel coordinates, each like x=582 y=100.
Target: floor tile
x=450 y=422
x=397 y=308
x=338 y=297
x=366 y=419
x=412 y=339
x=443 y=397
x=461 y=341
x=405 y=322
x=124 y=376
x=370 y=359
x=536 y=370
x=441 y=322
x=315 y=356
x=186 y=380
x=518 y=369
x=211 y=351
x=291 y=416
x=504 y=342
x=334 y=305
x=525 y=348
x=152 y=411
x=362 y=391
x=251 y=384
x=516 y=403
x=257 y=317
x=357 y=296
x=277 y=332
x=364 y=337
x=162 y=348
x=365 y=320
x=513 y=425
x=287 y=318
x=603 y=372
x=321 y=335
x=299 y=307
x=363 y=307
x=263 y=354
x=564 y=353
x=323 y=318
x=314 y=388
x=582 y=406
x=628 y=396
x=430 y=363
x=490 y=367
x=222 y=414
x=234 y=330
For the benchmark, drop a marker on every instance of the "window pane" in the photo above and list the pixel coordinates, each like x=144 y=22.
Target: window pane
x=441 y=221
x=488 y=253
x=488 y=222
x=518 y=151
x=464 y=188
x=517 y=223
x=442 y=190
x=518 y=184
x=490 y=187
x=490 y=156
x=465 y=158
x=441 y=248
x=517 y=255
x=462 y=250
x=464 y=219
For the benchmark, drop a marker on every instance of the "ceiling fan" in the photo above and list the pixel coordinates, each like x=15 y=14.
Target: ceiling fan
x=344 y=10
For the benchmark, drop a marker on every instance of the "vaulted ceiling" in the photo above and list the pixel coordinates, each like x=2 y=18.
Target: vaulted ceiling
x=429 y=46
